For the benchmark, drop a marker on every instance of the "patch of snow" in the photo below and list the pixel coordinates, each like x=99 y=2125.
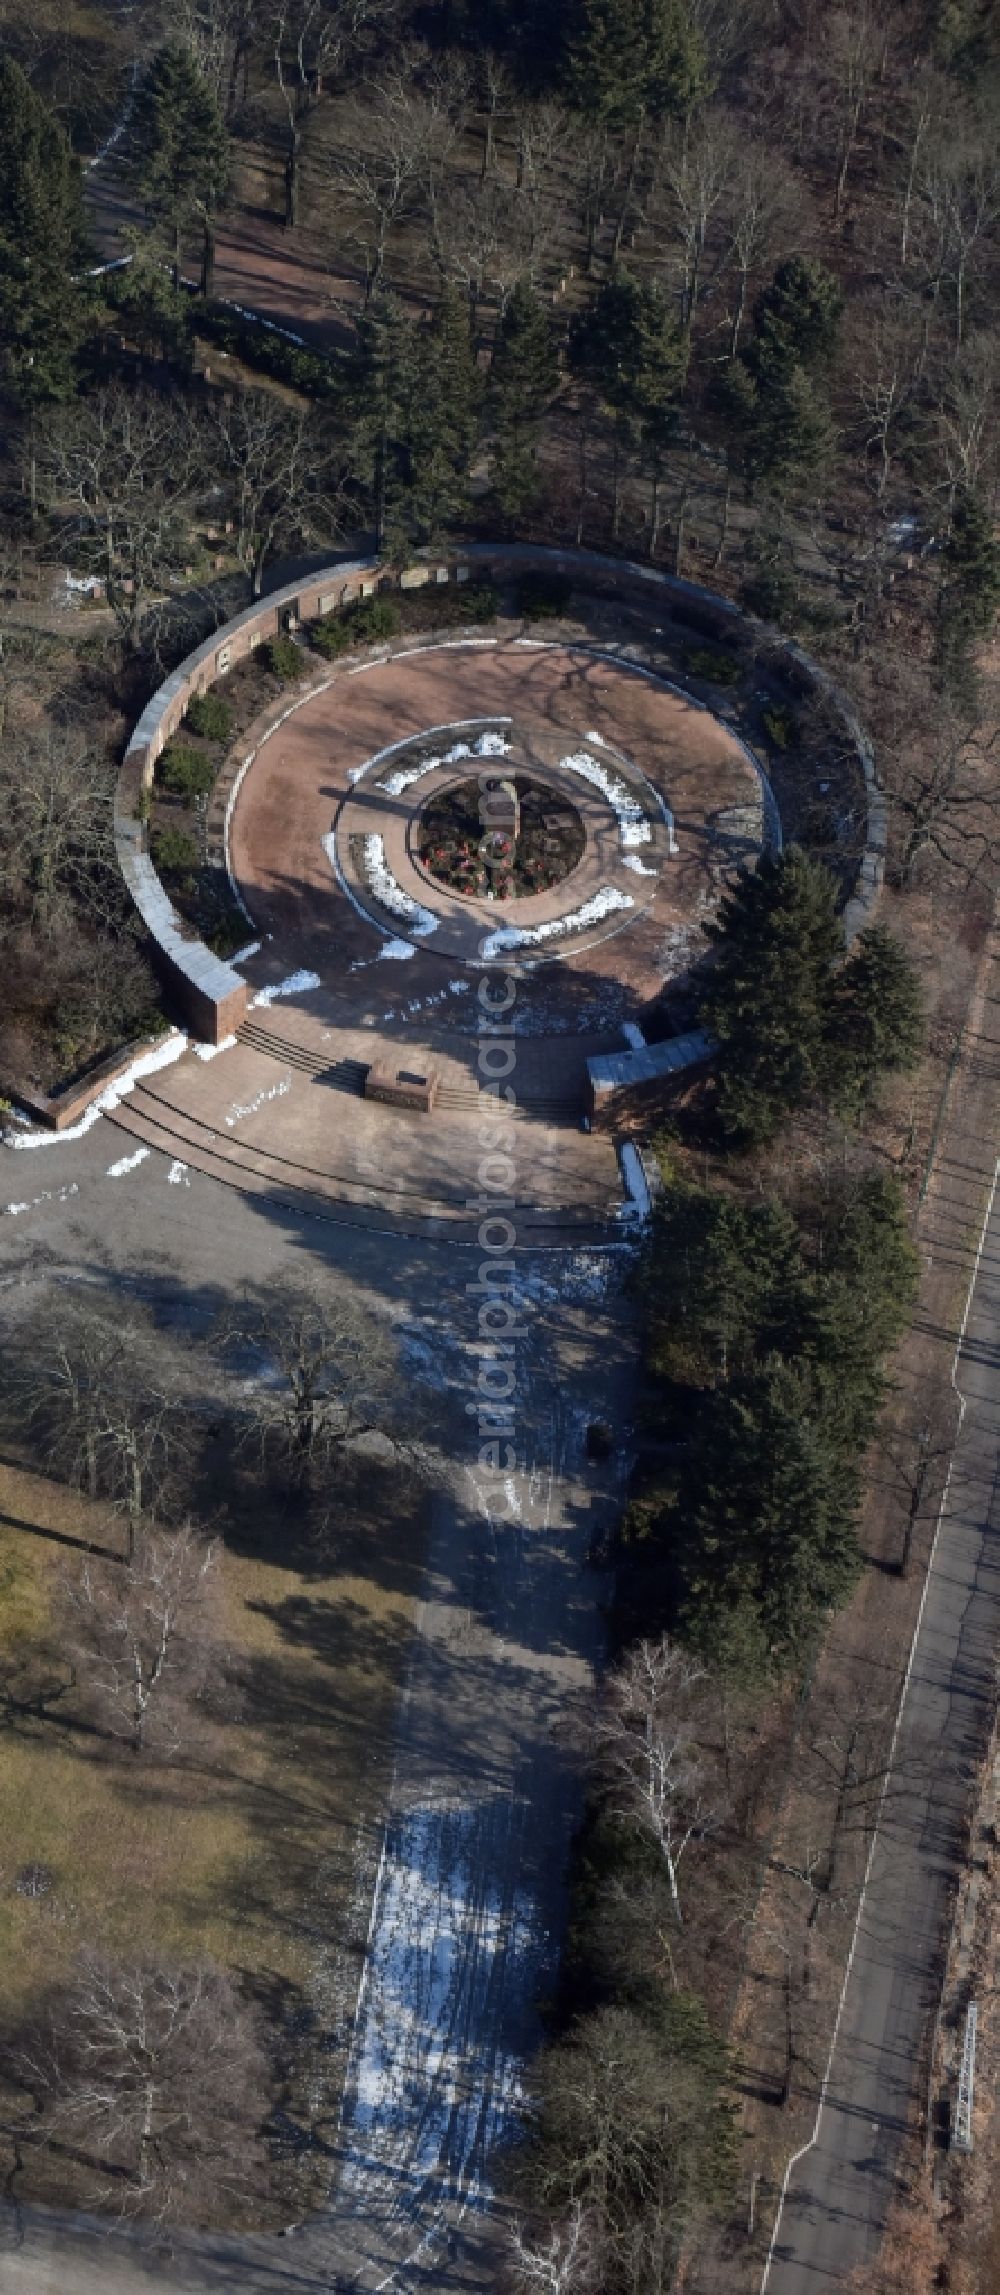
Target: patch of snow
x=460 y=987
x=601 y=904
x=211 y=1051
x=243 y=955
x=394 y=952
x=388 y=893
x=48 y=1195
x=634 y=825
x=297 y=984
x=579 y=1277
x=276 y=1092
x=162 y=1056
x=423 y=2091
x=640 y=1201
x=488 y=745
x=638 y=867
x=178 y=1175
x=680 y=945
x=127 y=1163
x=597 y=739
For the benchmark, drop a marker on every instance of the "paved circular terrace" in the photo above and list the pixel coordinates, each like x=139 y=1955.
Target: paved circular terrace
x=322 y=840
x=366 y=961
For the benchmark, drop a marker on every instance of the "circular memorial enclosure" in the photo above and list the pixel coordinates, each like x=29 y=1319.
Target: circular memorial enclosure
x=425 y=833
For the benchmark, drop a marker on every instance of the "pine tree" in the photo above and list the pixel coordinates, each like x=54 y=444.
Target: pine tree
x=523 y=380
x=178 y=150
x=877 y=1024
x=627 y=345
x=722 y=1282
x=42 y=244
x=631 y=60
x=970 y=595
x=765 y=1516
x=797 y=318
x=864 y=1289
x=443 y=422
x=378 y=397
x=769 y=995
x=774 y=408
x=628 y=351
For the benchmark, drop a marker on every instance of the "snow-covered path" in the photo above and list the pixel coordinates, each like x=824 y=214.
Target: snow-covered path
x=469 y=1899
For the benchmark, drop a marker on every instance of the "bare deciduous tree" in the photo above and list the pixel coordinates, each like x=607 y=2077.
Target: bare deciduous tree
x=762 y=214
x=488 y=240
x=124 y=467
x=698 y=168
x=312 y=42
x=276 y=467
x=156 y=2075
x=646 y=1741
x=856 y=38
x=144 y=1638
x=946 y=801
x=57 y=801
x=103 y=1395
x=889 y=350
x=959 y=189
x=328 y=1376
x=557 y=2258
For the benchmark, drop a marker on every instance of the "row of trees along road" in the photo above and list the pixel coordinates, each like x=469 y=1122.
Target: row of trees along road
x=768 y=1319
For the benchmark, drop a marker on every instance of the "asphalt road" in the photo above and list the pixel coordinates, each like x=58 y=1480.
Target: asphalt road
x=840 y=2190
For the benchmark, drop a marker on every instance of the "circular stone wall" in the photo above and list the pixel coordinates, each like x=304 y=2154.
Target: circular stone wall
x=717 y=826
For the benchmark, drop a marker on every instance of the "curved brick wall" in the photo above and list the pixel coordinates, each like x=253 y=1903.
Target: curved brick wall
x=210 y=994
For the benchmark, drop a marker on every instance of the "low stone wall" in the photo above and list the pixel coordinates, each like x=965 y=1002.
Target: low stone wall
x=211 y=995
x=59 y=1110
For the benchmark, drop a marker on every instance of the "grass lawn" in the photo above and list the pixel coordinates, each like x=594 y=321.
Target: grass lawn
x=255 y=1845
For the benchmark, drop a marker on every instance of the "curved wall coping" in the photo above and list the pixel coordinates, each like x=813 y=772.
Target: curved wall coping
x=212 y=994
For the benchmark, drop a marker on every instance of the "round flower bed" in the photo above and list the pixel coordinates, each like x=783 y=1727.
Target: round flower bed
x=458 y=843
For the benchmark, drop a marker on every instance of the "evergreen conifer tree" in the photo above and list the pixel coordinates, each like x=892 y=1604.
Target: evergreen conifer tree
x=772 y=398
x=443 y=421
x=766 y=1515
x=769 y=996
x=178 y=150
x=378 y=397
x=970 y=594
x=42 y=245
x=629 y=60
x=523 y=380
x=877 y=1024
x=628 y=351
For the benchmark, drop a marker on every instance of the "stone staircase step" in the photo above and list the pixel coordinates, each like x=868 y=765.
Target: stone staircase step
x=395 y=1210
x=348 y=1075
